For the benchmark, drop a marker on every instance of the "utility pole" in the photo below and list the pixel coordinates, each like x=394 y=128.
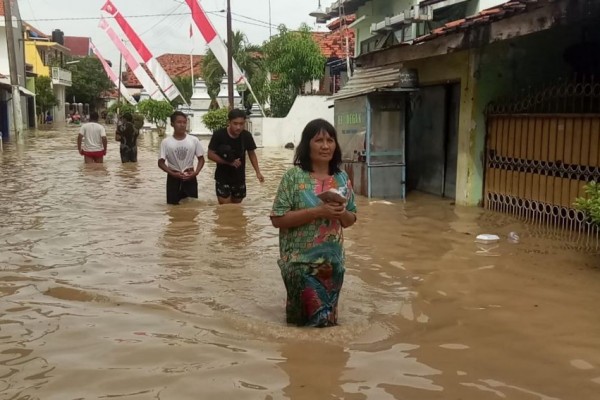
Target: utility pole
x=270 y=24
x=12 y=65
x=229 y=56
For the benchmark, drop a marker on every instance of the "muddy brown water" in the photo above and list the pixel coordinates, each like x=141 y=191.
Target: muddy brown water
x=107 y=292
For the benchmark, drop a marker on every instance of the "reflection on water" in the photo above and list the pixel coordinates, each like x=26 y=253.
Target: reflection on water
x=108 y=292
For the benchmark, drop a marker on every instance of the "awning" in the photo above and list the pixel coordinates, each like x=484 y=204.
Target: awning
x=26 y=92
x=368 y=80
x=5 y=82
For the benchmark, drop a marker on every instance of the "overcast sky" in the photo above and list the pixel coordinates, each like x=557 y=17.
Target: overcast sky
x=169 y=32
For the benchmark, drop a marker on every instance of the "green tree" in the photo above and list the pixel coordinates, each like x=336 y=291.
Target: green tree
x=44 y=94
x=123 y=108
x=185 y=86
x=89 y=81
x=294 y=58
x=250 y=60
x=157 y=112
x=215 y=119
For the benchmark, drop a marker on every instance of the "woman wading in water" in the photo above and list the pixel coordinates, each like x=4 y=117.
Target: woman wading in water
x=311 y=215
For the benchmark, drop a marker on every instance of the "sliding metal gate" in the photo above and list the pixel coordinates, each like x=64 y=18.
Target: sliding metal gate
x=542 y=148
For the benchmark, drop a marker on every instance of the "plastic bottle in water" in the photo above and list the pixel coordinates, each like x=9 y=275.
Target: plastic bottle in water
x=513 y=237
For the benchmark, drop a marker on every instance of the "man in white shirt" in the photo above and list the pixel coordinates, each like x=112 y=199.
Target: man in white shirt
x=177 y=154
x=91 y=141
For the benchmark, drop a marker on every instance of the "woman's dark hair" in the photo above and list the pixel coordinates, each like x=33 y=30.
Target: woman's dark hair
x=177 y=114
x=312 y=129
x=235 y=114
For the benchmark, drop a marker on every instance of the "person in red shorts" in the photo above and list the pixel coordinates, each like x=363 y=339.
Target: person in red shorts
x=92 y=141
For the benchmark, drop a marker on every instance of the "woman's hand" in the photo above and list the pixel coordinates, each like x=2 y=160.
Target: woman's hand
x=331 y=210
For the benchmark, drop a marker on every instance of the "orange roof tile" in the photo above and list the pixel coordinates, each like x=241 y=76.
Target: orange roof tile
x=173 y=64
x=110 y=94
x=2 y=8
x=484 y=17
x=333 y=44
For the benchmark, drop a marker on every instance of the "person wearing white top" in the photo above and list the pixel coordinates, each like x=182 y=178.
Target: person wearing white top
x=177 y=154
x=92 y=141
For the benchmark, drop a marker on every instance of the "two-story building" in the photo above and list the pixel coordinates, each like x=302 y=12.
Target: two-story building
x=27 y=98
x=489 y=102
x=48 y=57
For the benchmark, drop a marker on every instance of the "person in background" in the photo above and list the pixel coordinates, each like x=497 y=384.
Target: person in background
x=48 y=119
x=127 y=134
x=91 y=141
x=227 y=148
x=177 y=154
x=311 y=230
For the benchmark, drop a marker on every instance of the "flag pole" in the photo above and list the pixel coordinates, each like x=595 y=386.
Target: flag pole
x=192 y=69
x=119 y=87
x=192 y=58
x=229 y=56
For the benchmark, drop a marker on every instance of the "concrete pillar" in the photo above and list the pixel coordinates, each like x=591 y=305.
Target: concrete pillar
x=469 y=178
x=199 y=106
x=223 y=97
x=257 y=119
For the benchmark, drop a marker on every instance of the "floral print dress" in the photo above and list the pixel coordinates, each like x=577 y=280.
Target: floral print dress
x=312 y=255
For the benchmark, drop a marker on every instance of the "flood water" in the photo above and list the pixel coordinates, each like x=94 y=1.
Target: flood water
x=107 y=292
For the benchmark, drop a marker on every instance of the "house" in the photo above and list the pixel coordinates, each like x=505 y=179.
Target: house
x=27 y=97
x=492 y=103
x=48 y=56
x=337 y=45
x=175 y=65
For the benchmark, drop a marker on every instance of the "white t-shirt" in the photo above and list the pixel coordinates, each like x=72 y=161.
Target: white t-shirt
x=92 y=133
x=180 y=154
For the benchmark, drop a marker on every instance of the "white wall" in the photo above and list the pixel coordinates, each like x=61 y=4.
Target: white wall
x=485 y=4
x=276 y=132
x=4 y=67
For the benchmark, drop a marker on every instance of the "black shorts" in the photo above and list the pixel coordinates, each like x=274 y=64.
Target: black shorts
x=128 y=154
x=178 y=189
x=225 y=190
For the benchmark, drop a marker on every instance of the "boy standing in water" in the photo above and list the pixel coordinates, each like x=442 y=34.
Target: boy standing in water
x=91 y=141
x=127 y=134
x=227 y=148
x=177 y=154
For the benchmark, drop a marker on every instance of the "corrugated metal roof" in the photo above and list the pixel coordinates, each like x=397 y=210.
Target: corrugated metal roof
x=370 y=80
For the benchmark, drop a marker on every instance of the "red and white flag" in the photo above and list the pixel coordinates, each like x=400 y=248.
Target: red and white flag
x=135 y=66
x=214 y=41
x=162 y=78
x=113 y=77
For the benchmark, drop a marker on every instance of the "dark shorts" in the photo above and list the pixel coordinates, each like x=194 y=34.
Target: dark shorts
x=128 y=154
x=225 y=190
x=178 y=189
